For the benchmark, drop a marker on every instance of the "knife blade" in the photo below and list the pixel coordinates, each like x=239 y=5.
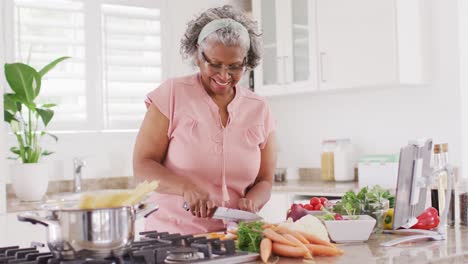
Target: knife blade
x=230 y=214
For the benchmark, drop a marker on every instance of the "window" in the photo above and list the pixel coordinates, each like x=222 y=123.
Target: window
x=116 y=58
x=44 y=31
x=132 y=62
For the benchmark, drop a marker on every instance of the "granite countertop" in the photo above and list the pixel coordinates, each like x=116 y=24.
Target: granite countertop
x=308 y=183
x=315 y=186
x=452 y=250
x=300 y=186
x=58 y=189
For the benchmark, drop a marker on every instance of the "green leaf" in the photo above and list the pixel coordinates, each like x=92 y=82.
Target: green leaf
x=20 y=78
x=48 y=105
x=46 y=153
x=15 y=150
x=51 y=65
x=45 y=114
x=37 y=84
x=9 y=102
x=9 y=117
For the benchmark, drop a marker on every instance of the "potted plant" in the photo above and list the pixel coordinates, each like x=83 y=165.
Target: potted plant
x=28 y=120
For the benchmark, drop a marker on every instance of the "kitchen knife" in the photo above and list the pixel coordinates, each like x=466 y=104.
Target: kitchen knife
x=229 y=214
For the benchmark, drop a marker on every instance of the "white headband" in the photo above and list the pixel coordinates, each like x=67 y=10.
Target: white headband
x=222 y=23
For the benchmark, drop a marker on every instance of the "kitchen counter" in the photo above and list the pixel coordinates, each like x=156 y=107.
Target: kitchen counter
x=306 y=187
x=316 y=187
x=452 y=250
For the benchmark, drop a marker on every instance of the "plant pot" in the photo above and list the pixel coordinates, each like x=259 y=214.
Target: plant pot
x=30 y=180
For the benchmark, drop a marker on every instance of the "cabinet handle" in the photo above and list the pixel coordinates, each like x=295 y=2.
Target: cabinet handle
x=323 y=56
x=285 y=70
x=280 y=69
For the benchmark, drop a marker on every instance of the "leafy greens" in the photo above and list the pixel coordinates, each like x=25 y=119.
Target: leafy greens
x=249 y=236
x=366 y=201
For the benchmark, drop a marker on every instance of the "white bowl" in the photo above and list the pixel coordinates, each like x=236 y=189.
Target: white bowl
x=358 y=230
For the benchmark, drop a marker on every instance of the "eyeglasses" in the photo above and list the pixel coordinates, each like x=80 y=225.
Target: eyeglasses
x=231 y=69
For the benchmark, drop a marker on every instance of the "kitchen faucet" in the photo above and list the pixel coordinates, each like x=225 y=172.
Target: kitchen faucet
x=78 y=165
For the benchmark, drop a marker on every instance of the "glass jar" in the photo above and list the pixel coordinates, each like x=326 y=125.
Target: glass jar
x=327 y=160
x=463 y=196
x=343 y=160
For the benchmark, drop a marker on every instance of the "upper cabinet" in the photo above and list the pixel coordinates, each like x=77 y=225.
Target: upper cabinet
x=289 y=65
x=316 y=45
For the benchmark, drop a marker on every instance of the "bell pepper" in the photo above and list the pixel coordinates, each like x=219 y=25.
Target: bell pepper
x=429 y=219
x=388 y=219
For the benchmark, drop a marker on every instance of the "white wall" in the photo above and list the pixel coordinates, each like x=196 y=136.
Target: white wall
x=463 y=44
x=379 y=120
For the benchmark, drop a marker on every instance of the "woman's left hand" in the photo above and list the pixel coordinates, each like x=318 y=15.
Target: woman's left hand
x=247 y=205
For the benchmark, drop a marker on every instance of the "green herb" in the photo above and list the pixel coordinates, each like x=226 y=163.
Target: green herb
x=366 y=201
x=249 y=236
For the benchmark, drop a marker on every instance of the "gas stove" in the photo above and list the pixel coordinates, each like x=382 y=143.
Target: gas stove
x=153 y=247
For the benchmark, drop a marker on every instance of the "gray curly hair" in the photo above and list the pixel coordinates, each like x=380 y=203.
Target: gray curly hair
x=226 y=36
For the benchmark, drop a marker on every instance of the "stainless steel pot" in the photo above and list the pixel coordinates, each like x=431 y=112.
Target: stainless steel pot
x=94 y=233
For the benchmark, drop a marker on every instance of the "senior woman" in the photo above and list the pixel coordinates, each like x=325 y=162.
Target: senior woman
x=207 y=140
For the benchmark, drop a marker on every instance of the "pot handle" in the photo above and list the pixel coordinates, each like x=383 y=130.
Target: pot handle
x=34 y=218
x=145 y=209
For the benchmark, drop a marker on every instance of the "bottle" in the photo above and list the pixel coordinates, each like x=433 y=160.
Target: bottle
x=463 y=202
x=445 y=161
x=327 y=160
x=435 y=200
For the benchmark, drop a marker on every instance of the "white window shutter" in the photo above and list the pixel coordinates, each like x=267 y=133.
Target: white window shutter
x=131 y=39
x=44 y=31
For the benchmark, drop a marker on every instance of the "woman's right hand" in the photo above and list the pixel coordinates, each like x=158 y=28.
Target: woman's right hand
x=198 y=201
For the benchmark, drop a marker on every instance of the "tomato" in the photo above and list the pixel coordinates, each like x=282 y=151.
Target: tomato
x=314 y=201
x=323 y=200
x=309 y=207
x=318 y=207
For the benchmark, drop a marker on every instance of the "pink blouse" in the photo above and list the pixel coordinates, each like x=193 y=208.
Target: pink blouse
x=224 y=160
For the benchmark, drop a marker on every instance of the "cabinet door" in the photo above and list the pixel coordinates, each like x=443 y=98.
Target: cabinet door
x=288 y=64
x=271 y=45
x=299 y=53
x=276 y=208
x=356 y=43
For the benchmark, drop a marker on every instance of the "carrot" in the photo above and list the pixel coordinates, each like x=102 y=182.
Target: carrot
x=273 y=226
x=313 y=239
x=319 y=250
x=299 y=244
x=288 y=251
x=275 y=237
x=285 y=230
x=265 y=249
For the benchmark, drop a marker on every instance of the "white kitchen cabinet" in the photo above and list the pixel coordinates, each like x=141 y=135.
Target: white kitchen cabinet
x=276 y=208
x=320 y=45
x=365 y=43
x=289 y=61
